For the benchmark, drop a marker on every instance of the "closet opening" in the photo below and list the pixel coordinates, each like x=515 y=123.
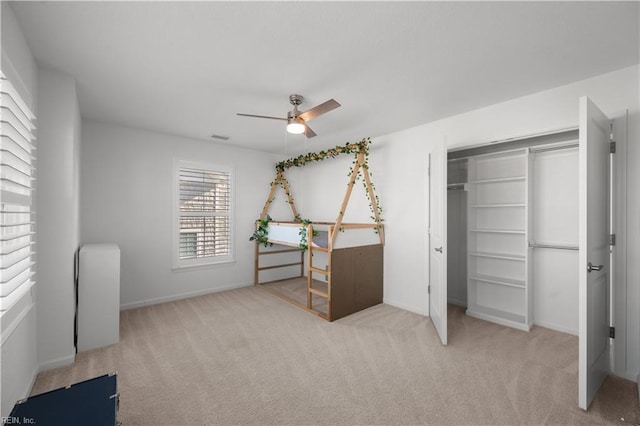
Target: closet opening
x=512 y=233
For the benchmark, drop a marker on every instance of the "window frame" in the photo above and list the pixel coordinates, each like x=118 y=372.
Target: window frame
x=178 y=263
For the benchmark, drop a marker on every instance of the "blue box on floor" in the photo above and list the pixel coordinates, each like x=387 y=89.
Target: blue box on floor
x=92 y=402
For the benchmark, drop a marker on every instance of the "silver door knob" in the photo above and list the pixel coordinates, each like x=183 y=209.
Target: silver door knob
x=591 y=267
x=438 y=249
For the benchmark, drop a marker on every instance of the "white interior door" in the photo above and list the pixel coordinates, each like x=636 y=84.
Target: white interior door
x=438 y=239
x=593 y=264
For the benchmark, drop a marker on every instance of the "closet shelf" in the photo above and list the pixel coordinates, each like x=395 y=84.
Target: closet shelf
x=485 y=206
x=503 y=256
x=499 y=280
x=500 y=231
x=499 y=317
x=498 y=180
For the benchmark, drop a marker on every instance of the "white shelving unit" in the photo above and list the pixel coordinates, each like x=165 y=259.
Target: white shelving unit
x=498 y=283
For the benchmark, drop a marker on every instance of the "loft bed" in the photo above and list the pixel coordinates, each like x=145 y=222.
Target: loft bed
x=333 y=269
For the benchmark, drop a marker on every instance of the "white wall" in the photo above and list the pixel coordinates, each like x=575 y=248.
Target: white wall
x=457 y=247
x=18 y=347
x=127 y=200
x=18 y=64
x=554 y=200
x=320 y=187
x=57 y=229
x=637 y=247
x=402 y=187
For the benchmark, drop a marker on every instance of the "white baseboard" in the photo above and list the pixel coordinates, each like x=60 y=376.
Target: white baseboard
x=158 y=300
x=57 y=363
x=499 y=320
x=457 y=303
x=32 y=382
x=406 y=307
x=556 y=328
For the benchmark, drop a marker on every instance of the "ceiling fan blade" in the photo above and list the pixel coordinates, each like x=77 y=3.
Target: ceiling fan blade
x=308 y=132
x=261 y=116
x=317 y=110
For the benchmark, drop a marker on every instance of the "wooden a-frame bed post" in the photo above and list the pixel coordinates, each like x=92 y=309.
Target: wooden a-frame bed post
x=360 y=165
x=279 y=180
x=374 y=202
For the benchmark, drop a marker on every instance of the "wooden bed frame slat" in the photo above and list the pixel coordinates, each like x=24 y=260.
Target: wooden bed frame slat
x=284 y=265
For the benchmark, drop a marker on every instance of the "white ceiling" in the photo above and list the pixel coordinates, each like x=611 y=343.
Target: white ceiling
x=187 y=68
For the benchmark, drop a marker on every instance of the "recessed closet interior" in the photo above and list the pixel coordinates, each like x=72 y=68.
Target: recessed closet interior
x=512 y=231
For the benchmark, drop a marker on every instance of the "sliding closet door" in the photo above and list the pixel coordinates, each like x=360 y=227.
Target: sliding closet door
x=593 y=264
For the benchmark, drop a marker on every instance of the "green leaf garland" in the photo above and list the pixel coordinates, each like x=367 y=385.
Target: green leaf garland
x=348 y=148
x=302 y=160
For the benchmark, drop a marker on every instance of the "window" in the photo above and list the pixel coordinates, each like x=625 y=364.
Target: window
x=16 y=186
x=203 y=214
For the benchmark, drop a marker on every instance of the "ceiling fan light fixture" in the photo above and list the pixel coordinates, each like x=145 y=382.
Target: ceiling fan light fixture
x=296 y=120
x=295 y=127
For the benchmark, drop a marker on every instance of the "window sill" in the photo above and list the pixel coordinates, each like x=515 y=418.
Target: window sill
x=204 y=265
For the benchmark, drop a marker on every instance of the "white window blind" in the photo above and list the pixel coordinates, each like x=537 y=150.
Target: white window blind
x=204 y=214
x=16 y=186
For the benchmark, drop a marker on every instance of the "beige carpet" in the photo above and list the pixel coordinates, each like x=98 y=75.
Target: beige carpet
x=247 y=357
x=295 y=290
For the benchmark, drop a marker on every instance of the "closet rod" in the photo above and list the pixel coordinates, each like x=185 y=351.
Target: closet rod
x=553 y=148
x=553 y=246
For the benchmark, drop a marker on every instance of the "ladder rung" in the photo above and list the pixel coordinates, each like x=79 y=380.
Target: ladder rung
x=326 y=250
x=318 y=293
x=319 y=271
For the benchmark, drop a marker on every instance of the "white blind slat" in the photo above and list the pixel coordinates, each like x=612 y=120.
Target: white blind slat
x=16 y=161
x=9 y=197
x=10 y=172
x=8 y=301
x=15 y=120
x=16 y=187
x=9 y=145
x=16 y=281
x=10 y=273
x=12 y=258
x=12 y=134
x=9 y=89
x=11 y=121
x=18 y=245
x=8 y=102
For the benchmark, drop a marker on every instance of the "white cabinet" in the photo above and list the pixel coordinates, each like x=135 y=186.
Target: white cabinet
x=98 y=296
x=498 y=281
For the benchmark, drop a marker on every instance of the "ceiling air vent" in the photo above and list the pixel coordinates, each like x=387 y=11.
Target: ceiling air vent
x=221 y=137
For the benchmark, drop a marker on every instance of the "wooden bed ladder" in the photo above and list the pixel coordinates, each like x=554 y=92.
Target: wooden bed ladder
x=311 y=291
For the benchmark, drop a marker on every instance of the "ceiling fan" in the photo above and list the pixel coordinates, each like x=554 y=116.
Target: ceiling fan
x=296 y=120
